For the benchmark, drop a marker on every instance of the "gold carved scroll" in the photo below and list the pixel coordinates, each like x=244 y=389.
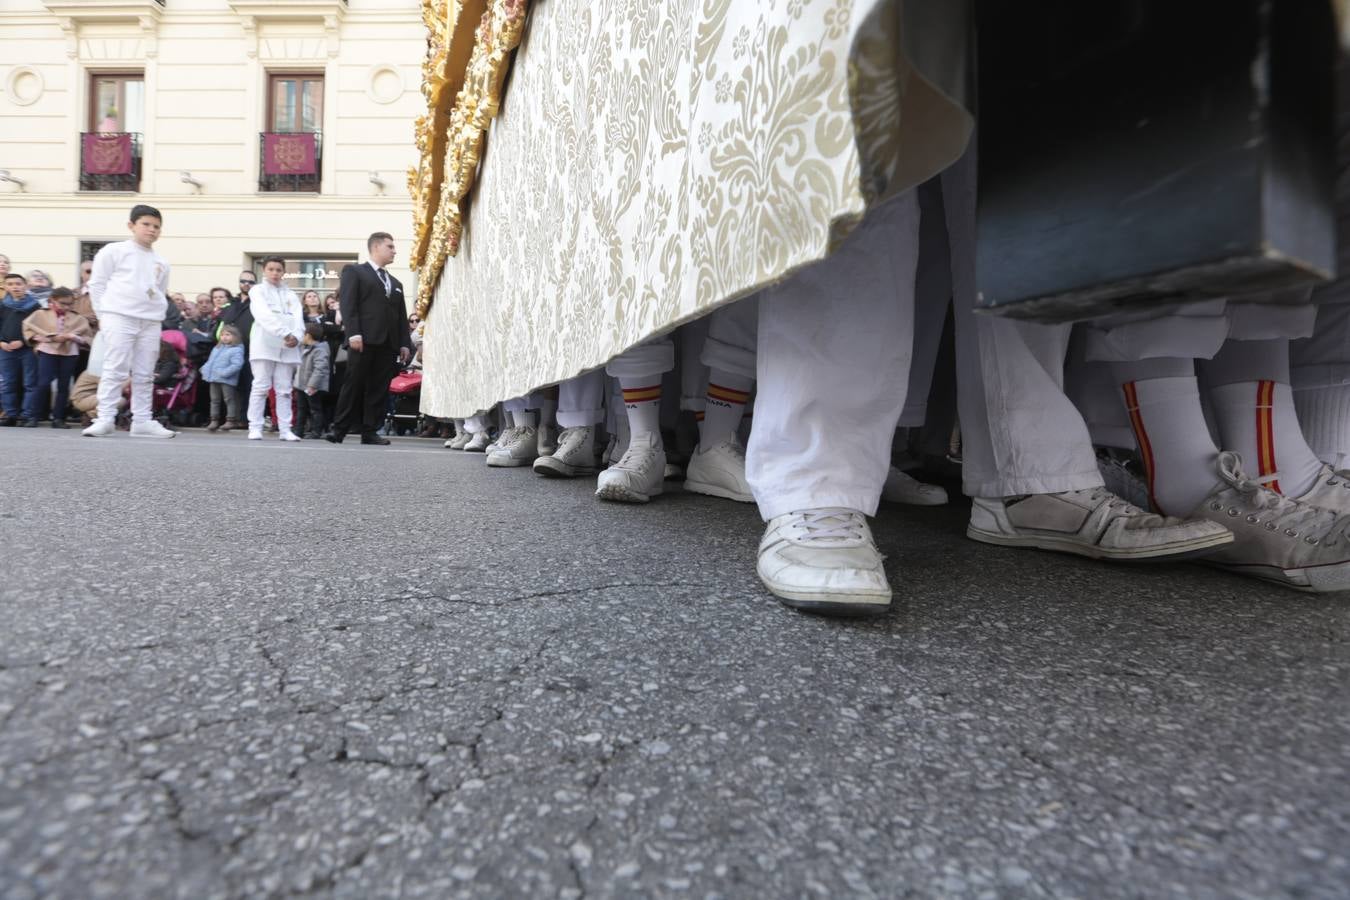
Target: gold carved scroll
x=470 y=43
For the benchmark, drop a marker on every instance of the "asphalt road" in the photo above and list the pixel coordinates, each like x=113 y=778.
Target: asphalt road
x=234 y=670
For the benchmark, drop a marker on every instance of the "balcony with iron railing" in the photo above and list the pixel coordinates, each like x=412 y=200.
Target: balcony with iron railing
x=110 y=161
x=290 y=161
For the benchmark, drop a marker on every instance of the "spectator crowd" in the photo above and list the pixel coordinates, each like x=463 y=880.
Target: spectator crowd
x=50 y=359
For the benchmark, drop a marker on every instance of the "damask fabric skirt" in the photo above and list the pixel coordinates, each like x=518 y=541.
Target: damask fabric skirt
x=654 y=159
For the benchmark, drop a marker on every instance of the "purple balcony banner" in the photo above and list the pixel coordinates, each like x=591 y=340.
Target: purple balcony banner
x=289 y=154
x=108 y=154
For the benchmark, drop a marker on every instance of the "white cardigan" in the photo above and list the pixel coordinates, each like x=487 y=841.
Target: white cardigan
x=276 y=315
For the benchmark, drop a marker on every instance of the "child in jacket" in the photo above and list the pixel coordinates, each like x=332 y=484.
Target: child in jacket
x=221 y=371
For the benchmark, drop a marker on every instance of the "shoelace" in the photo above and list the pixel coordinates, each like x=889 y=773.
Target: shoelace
x=832 y=524
x=1294 y=519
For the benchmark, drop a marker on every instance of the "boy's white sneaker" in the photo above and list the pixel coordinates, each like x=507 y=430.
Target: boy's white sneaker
x=638 y=476
x=1289 y=542
x=100 y=429
x=904 y=488
x=289 y=436
x=824 y=561
x=574 y=456
x=151 y=429
x=1094 y=523
x=478 y=443
x=520 y=450
x=459 y=441
x=719 y=471
x=255 y=434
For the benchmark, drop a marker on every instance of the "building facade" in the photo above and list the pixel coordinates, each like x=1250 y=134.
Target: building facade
x=258 y=127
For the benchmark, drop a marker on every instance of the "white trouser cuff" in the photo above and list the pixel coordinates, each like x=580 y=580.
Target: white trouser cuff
x=580 y=418
x=655 y=357
x=998 y=488
x=774 y=503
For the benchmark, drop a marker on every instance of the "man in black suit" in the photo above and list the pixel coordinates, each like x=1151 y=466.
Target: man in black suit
x=376 y=324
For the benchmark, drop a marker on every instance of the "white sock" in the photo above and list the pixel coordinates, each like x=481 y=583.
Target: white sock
x=1324 y=416
x=1257 y=420
x=723 y=408
x=642 y=399
x=1178 y=452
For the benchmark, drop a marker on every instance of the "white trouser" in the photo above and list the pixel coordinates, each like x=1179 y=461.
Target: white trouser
x=581 y=400
x=650 y=359
x=1323 y=359
x=476 y=424
x=1198 y=330
x=1020 y=434
x=528 y=401
x=833 y=365
x=691 y=337
x=269 y=374
x=131 y=349
x=730 y=343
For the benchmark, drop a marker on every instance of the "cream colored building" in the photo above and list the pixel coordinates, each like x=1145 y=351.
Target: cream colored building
x=176 y=98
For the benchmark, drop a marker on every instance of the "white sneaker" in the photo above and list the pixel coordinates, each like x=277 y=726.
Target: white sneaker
x=548 y=440
x=638 y=476
x=903 y=488
x=289 y=436
x=1331 y=491
x=459 y=441
x=719 y=471
x=151 y=429
x=1093 y=523
x=824 y=561
x=575 y=454
x=100 y=429
x=255 y=434
x=520 y=449
x=478 y=443
x=1286 y=541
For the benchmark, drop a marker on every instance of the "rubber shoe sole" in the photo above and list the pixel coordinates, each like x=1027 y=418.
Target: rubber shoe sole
x=619 y=494
x=712 y=490
x=1326 y=579
x=851 y=605
x=502 y=461
x=549 y=467
x=1178 y=550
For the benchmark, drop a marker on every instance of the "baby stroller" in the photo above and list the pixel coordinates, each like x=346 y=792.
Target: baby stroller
x=405 y=402
x=176 y=402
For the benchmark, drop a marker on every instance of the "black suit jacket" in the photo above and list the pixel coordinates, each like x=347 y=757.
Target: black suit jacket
x=368 y=313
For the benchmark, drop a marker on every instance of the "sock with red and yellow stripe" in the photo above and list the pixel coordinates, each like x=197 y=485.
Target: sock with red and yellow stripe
x=1258 y=420
x=726 y=399
x=642 y=400
x=1174 y=441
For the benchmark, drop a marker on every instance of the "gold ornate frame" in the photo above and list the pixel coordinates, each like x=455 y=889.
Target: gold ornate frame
x=469 y=50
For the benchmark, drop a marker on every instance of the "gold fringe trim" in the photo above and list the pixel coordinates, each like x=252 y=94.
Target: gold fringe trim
x=462 y=79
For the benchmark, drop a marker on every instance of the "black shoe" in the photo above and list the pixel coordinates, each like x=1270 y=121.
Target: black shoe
x=28 y=423
x=373 y=438
x=8 y=422
x=59 y=423
x=334 y=437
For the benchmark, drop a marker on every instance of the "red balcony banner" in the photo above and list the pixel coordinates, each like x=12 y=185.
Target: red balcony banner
x=290 y=154
x=108 y=154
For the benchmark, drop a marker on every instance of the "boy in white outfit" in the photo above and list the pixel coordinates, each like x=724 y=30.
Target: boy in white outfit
x=274 y=351
x=129 y=290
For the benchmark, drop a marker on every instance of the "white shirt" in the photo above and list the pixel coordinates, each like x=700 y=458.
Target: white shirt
x=276 y=315
x=130 y=280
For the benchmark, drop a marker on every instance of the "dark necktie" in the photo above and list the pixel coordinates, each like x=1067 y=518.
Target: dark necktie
x=384 y=280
